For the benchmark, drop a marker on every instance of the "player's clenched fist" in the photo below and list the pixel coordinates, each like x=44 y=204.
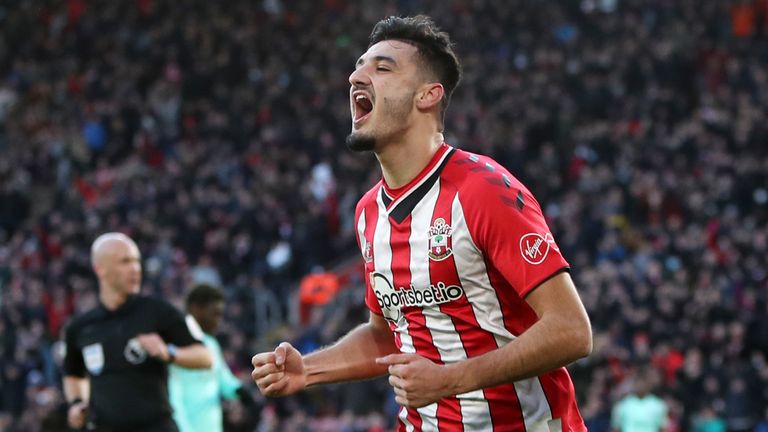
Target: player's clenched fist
x=416 y=381
x=280 y=372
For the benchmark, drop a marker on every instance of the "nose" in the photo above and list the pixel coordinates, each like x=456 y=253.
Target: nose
x=359 y=77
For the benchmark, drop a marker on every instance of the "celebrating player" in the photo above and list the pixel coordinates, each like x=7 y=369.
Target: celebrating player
x=473 y=313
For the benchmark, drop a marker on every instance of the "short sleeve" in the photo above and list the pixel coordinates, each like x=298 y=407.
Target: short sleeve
x=512 y=234
x=73 y=357
x=173 y=326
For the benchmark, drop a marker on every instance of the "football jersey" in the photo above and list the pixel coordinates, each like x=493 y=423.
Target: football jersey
x=449 y=259
x=129 y=389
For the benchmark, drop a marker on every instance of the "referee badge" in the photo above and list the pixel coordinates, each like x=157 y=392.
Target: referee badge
x=439 y=234
x=93 y=355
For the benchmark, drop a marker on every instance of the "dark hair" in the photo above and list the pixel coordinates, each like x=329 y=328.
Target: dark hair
x=203 y=295
x=434 y=47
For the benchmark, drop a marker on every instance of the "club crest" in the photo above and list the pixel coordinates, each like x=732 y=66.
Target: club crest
x=439 y=234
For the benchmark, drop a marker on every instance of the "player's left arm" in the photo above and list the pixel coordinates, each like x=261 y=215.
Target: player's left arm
x=561 y=335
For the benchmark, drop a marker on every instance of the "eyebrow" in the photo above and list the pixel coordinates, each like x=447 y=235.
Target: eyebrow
x=378 y=58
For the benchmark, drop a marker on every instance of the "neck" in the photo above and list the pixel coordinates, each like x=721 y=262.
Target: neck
x=404 y=160
x=110 y=299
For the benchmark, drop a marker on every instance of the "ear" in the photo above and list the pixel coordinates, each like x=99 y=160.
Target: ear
x=429 y=96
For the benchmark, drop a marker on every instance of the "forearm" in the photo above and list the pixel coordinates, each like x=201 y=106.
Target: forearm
x=552 y=342
x=353 y=357
x=76 y=388
x=195 y=356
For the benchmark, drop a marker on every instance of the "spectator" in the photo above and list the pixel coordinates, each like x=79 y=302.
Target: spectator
x=641 y=410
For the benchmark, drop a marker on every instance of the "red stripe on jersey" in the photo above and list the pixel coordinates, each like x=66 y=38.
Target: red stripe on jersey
x=558 y=382
x=371 y=218
x=505 y=408
x=474 y=339
x=518 y=315
x=401 y=277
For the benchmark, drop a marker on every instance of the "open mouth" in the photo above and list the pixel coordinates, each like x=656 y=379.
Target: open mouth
x=363 y=106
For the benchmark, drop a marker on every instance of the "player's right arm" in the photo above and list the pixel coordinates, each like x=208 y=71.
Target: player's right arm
x=285 y=371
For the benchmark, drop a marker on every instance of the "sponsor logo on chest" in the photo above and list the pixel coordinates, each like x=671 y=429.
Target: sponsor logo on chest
x=392 y=301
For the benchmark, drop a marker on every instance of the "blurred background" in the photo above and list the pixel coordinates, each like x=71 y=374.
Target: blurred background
x=213 y=134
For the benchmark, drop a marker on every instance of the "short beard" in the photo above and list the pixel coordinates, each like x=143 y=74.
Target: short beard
x=358 y=142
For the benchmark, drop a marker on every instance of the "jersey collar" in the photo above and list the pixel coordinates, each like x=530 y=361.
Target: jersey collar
x=401 y=201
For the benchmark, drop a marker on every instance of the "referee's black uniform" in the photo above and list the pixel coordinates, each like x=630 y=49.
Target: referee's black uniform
x=129 y=389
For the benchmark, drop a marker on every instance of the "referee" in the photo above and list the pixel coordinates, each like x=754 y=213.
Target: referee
x=117 y=355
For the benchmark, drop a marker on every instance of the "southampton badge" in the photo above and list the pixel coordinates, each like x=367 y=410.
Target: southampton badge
x=439 y=234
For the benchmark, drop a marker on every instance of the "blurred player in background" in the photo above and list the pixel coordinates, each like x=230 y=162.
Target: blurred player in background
x=196 y=393
x=117 y=355
x=473 y=310
x=640 y=410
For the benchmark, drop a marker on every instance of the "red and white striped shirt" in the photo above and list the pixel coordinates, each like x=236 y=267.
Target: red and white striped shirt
x=449 y=258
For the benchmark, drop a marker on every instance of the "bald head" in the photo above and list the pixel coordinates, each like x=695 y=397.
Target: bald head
x=116 y=261
x=107 y=243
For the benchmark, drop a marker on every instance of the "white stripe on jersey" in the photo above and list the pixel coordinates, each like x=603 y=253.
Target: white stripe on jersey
x=472 y=273
x=361 y=233
x=403 y=415
x=474 y=408
x=444 y=336
x=536 y=411
x=382 y=258
x=482 y=296
x=428 y=418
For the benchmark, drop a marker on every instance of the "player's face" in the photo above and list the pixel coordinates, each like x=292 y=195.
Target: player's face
x=382 y=93
x=209 y=316
x=122 y=267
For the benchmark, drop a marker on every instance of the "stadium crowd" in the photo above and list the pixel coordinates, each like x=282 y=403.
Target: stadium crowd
x=213 y=134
